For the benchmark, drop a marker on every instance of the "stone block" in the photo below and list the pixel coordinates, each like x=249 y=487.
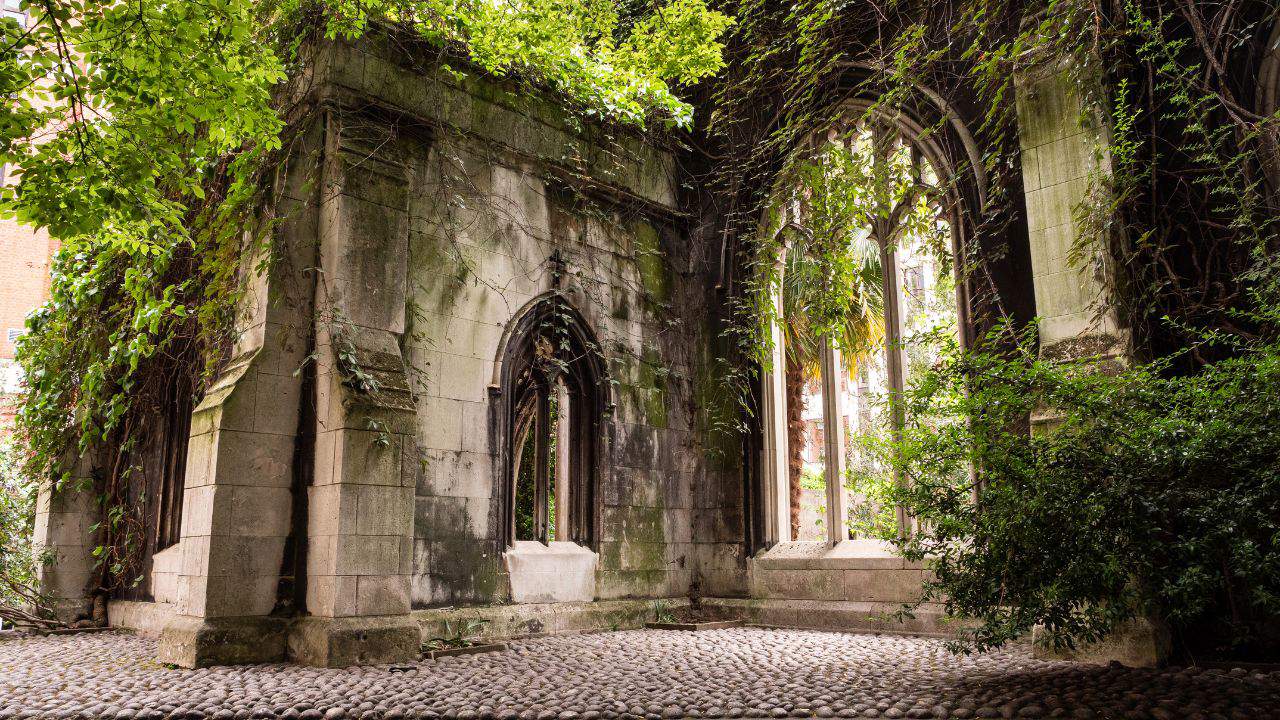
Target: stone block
x=460 y=377
x=201 y=450
x=241 y=556
x=458 y=474
x=367 y=555
x=332 y=595
x=192 y=642
x=239 y=595
x=195 y=554
x=257 y=458
x=1067 y=292
x=677 y=525
x=1050 y=247
x=384 y=510
x=341 y=642
x=1136 y=643
x=369 y=457
x=331 y=509
x=368 y=290
x=557 y=572
x=440 y=423
x=382 y=595
x=477 y=432
x=147 y=619
x=1067 y=158
x=452 y=517
x=254 y=511
x=636 y=446
x=198 y=510
x=1055 y=205
x=277 y=406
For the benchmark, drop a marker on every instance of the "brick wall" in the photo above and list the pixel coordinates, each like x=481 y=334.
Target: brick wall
x=24 y=284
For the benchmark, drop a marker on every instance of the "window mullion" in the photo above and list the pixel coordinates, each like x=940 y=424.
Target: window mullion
x=895 y=351
x=833 y=421
x=774 y=468
x=564 y=444
x=542 y=429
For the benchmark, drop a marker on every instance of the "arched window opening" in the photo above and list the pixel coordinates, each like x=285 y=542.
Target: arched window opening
x=867 y=298
x=542 y=464
x=552 y=384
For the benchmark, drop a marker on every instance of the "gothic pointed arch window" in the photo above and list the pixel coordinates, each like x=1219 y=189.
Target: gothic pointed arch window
x=867 y=292
x=554 y=396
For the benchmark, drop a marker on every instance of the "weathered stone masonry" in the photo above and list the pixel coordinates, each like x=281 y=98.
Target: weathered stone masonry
x=346 y=462
x=343 y=490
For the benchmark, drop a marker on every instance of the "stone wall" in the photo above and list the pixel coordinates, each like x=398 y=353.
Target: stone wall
x=507 y=195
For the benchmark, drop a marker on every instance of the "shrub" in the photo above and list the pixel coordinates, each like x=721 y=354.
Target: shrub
x=1151 y=496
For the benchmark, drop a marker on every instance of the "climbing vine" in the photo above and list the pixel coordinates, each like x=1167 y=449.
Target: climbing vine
x=1182 y=228
x=147 y=137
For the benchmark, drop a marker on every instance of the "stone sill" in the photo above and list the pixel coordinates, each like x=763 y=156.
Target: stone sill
x=845 y=555
x=556 y=572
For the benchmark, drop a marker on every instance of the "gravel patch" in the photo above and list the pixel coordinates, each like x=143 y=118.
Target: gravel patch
x=650 y=674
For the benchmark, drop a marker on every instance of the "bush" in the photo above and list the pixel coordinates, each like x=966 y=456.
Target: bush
x=17 y=522
x=1152 y=496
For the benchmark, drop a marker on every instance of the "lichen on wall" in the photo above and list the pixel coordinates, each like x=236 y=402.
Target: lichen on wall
x=507 y=203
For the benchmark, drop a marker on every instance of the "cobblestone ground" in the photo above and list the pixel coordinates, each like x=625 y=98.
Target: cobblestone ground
x=651 y=674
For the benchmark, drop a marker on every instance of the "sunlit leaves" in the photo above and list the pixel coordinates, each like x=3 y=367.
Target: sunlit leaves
x=580 y=47
x=144 y=135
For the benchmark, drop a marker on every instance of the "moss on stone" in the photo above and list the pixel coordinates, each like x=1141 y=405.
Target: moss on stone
x=651 y=263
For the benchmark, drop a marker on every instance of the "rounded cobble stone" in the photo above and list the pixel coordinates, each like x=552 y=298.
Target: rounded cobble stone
x=657 y=674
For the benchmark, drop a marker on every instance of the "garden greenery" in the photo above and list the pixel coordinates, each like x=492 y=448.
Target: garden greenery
x=146 y=135
x=18 y=603
x=1152 y=491
x=1152 y=496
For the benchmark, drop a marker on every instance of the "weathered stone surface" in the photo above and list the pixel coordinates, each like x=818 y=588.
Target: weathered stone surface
x=340 y=642
x=743 y=672
x=192 y=642
x=1137 y=643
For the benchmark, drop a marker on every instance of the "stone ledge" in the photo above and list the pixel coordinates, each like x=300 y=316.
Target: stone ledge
x=147 y=619
x=193 y=642
x=846 y=555
x=558 y=572
x=507 y=622
x=839 y=615
x=1137 y=643
x=340 y=642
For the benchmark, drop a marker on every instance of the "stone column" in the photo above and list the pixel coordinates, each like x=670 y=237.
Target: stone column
x=360 y=503
x=1064 y=154
x=64 y=540
x=833 y=437
x=236 y=514
x=774 y=473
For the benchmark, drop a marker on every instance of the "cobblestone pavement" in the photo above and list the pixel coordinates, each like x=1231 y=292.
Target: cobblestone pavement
x=649 y=674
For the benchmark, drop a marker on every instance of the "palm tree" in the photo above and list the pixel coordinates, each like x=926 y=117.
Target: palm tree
x=832 y=286
x=851 y=202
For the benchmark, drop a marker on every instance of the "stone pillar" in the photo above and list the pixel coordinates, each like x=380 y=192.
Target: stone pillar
x=236 y=514
x=833 y=371
x=774 y=473
x=1064 y=151
x=360 y=503
x=64 y=540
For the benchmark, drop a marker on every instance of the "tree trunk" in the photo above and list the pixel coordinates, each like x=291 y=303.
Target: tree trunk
x=795 y=438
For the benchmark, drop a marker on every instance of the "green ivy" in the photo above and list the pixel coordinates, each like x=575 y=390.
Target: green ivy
x=146 y=136
x=1146 y=496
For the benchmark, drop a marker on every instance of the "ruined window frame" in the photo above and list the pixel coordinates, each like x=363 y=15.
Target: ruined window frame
x=547 y=345
x=774 y=471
